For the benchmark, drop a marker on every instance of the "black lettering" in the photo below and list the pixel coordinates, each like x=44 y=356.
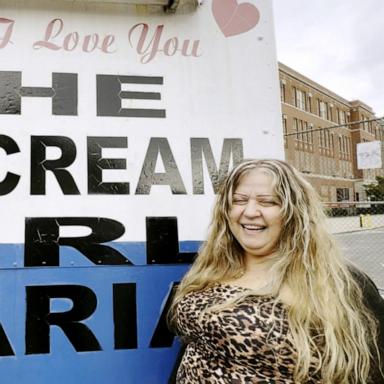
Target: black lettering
x=163 y=337
x=11 y=179
x=201 y=147
x=124 y=315
x=5 y=345
x=110 y=95
x=63 y=93
x=163 y=242
x=96 y=164
x=40 y=165
x=39 y=318
x=42 y=240
x=171 y=176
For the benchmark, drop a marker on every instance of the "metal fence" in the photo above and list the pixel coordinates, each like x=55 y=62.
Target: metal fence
x=333 y=161
x=359 y=230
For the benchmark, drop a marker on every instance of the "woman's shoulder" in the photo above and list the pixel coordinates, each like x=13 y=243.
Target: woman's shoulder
x=371 y=295
x=364 y=281
x=375 y=303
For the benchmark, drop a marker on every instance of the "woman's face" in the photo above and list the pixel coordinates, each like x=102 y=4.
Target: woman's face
x=255 y=215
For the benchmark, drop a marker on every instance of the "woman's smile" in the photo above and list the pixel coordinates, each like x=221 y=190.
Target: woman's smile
x=255 y=214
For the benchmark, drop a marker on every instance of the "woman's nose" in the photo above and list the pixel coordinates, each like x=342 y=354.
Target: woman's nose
x=252 y=209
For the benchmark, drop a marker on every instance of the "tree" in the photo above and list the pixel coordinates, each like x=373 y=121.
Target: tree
x=375 y=191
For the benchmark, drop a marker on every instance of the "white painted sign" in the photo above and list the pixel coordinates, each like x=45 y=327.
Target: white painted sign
x=369 y=155
x=117 y=125
x=138 y=106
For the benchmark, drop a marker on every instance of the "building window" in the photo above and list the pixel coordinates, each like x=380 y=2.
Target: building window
x=282 y=91
x=308 y=135
x=300 y=129
x=342 y=194
x=285 y=129
x=296 y=128
x=326 y=146
x=341 y=117
x=348 y=119
x=345 y=147
x=309 y=104
x=322 y=109
x=370 y=127
x=301 y=100
x=327 y=141
x=304 y=136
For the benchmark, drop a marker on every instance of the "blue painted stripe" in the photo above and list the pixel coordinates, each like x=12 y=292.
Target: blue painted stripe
x=12 y=255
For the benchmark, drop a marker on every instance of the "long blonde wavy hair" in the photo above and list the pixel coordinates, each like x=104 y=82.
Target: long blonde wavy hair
x=327 y=301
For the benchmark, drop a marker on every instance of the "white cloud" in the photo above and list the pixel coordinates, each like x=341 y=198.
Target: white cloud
x=337 y=44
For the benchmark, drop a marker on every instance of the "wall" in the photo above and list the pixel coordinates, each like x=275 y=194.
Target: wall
x=117 y=126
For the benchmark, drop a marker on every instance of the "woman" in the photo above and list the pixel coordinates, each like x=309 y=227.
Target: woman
x=269 y=298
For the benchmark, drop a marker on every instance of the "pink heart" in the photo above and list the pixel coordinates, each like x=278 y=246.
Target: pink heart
x=234 y=18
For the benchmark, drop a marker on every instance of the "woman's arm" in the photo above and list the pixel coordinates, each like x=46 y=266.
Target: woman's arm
x=375 y=303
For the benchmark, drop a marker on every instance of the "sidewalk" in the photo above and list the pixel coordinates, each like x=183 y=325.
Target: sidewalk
x=352 y=223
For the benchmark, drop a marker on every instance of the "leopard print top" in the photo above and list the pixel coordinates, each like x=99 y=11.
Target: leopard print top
x=247 y=342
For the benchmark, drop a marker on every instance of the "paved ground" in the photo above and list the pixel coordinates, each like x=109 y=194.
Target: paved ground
x=366 y=250
x=355 y=223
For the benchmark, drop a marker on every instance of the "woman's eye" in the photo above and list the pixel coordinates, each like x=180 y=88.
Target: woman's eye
x=268 y=203
x=239 y=201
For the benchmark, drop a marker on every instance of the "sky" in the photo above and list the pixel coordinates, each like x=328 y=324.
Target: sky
x=337 y=43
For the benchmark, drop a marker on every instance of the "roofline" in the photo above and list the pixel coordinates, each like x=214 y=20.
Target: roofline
x=298 y=76
x=359 y=103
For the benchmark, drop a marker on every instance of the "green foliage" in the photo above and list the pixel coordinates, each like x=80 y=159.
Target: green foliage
x=375 y=191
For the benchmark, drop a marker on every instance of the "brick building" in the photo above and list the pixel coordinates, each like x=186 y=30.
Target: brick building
x=327 y=156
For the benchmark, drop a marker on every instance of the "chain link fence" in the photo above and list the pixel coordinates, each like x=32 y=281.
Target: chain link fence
x=353 y=197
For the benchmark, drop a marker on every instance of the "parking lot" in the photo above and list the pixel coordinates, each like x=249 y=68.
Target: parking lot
x=364 y=246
